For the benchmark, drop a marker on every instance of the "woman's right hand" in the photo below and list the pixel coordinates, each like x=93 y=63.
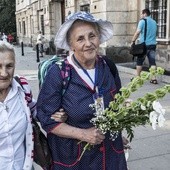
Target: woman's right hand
x=92 y=136
x=60 y=116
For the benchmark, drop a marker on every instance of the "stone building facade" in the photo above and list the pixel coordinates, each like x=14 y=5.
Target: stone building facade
x=33 y=16
x=47 y=15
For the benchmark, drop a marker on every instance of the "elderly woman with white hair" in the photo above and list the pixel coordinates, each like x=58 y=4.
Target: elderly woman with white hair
x=17 y=107
x=16 y=141
x=89 y=79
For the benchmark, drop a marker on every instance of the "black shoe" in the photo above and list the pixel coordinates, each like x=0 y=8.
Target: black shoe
x=154 y=81
x=131 y=78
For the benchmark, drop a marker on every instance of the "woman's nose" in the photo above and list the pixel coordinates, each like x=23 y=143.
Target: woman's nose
x=88 y=42
x=3 y=72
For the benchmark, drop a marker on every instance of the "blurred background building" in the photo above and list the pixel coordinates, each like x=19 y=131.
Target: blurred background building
x=33 y=16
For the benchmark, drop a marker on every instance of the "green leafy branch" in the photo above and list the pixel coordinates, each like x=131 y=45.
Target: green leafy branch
x=123 y=115
x=118 y=116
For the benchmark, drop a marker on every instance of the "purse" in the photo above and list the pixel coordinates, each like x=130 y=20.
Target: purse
x=42 y=153
x=139 y=50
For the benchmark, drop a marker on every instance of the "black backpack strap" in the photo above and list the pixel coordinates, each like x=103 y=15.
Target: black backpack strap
x=111 y=65
x=114 y=71
x=145 y=29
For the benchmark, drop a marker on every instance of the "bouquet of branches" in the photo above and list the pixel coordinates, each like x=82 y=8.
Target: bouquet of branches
x=121 y=115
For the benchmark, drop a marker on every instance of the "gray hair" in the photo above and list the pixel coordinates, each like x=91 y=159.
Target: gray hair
x=6 y=47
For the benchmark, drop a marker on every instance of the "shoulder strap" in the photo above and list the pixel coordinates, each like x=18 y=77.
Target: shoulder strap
x=65 y=73
x=28 y=94
x=19 y=81
x=145 y=29
x=114 y=71
x=111 y=65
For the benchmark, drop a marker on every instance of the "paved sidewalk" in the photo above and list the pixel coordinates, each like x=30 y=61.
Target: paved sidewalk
x=150 y=149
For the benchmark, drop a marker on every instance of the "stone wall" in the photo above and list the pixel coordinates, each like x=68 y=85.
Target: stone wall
x=119 y=54
x=163 y=56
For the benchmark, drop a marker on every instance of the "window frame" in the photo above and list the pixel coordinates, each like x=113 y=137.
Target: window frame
x=162 y=19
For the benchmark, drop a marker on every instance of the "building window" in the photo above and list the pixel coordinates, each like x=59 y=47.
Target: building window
x=23 y=28
x=85 y=8
x=42 y=23
x=32 y=25
x=19 y=27
x=158 y=10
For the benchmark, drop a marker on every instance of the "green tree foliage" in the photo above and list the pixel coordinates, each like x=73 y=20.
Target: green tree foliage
x=7 y=17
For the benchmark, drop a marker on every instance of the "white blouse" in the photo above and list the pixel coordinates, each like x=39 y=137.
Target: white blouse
x=13 y=126
x=81 y=73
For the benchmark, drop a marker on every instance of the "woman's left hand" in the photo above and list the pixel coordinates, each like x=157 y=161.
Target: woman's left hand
x=60 y=116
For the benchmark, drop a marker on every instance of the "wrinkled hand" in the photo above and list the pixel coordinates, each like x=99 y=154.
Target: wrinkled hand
x=126 y=143
x=93 y=136
x=60 y=116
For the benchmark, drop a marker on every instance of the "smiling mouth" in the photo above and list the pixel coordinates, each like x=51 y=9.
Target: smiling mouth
x=91 y=49
x=3 y=79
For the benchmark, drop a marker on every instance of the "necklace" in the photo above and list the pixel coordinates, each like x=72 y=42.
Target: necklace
x=3 y=94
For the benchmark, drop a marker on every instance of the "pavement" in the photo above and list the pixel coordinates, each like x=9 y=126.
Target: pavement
x=150 y=148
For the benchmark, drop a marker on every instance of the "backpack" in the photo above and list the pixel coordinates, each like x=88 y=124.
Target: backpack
x=65 y=70
x=44 y=66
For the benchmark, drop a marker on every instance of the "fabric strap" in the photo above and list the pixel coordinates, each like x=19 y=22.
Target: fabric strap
x=145 y=29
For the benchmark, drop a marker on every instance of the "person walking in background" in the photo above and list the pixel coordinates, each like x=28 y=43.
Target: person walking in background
x=40 y=39
x=10 y=38
x=91 y=81
x=150 y=42
x=4 y=37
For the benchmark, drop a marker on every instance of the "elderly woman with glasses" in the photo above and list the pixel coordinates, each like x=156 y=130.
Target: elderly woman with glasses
x=88 y=79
